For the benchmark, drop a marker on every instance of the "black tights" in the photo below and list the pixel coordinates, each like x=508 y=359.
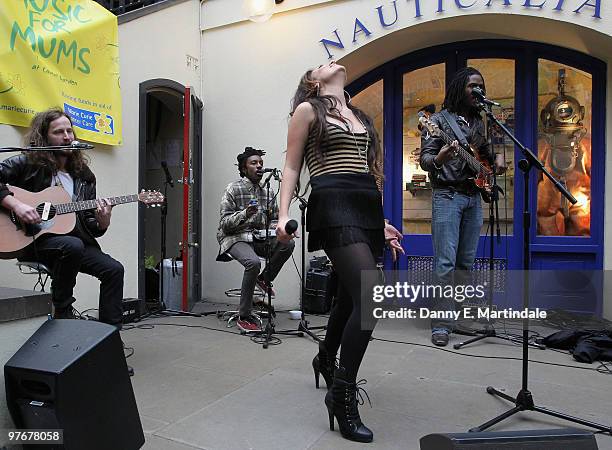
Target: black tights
x=344 y=325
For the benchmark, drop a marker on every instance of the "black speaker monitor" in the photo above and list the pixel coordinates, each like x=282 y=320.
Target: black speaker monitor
x=319 y=290
x=72 y=375
x=561 y=439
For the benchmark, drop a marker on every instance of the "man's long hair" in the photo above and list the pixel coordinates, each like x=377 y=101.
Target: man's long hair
x=324 y=105
x=454 y=101
x=76 y=164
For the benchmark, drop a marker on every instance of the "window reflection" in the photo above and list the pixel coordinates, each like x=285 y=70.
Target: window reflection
x=564 y=145
x=423 y=89
x=370 y=101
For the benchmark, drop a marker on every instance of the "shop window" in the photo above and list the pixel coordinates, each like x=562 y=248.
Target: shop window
x=370 y=101
x=500 y=85
x=564 y=145
x=422 y=89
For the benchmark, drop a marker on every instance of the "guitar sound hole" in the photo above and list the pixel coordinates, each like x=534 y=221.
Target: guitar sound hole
x=52 y=211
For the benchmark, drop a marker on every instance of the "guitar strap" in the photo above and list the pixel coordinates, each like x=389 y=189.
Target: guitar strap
x=463 y=141
x=455 y=127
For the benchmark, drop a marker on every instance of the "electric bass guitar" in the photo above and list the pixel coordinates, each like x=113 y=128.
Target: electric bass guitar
x=480 y=168
x=57 y=212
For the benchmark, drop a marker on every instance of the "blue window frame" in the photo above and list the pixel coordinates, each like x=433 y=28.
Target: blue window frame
x=555 y=252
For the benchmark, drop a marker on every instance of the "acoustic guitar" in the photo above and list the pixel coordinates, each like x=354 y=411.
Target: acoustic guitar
x=57 y=212
x=480 y=168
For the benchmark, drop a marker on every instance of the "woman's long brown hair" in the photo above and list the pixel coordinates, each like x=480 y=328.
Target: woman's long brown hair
x=327 y=105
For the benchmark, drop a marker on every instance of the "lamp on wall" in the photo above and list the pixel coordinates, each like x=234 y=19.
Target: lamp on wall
x=259 y=10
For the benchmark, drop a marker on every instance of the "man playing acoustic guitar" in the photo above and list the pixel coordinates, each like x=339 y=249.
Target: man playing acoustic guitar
x=78 y=251
x=456 y=210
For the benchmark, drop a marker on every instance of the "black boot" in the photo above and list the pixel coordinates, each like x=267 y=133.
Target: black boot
x=324 y=364
x=341 y=401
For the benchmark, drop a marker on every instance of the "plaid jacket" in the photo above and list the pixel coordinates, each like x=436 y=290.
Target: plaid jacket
x=234 y=225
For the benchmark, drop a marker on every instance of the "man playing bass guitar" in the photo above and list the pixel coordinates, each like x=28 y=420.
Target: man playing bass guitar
x=78 y=251
x=456 y=200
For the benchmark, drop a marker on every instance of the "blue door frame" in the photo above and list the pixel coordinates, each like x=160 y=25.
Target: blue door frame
x=547 y=252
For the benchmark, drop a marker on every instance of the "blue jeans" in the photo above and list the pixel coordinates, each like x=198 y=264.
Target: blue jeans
x=455 y=230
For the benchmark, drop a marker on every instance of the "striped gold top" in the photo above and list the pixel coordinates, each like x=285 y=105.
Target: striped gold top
x=340 y=154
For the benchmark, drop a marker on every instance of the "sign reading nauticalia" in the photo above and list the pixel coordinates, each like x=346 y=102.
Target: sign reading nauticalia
x=388 y=16
x=61 y=53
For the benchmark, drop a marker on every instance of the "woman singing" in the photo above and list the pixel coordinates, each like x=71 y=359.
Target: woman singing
x=345 y=218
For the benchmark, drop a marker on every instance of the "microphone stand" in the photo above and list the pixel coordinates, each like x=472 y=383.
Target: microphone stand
x=48 y=148
x=489 y=329
x=265 y=336
x=303 y=325
x=524 y=399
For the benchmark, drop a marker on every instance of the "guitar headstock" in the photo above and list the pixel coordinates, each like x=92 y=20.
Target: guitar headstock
x=429 y=125
x=151 y=198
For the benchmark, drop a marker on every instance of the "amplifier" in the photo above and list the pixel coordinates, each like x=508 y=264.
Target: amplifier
x=133 y=308
x=319 y=290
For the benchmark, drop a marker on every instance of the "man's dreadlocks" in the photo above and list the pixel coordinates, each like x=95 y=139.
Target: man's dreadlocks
x=246 y=154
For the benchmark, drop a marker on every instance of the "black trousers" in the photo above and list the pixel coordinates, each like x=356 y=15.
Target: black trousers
x=66 y=256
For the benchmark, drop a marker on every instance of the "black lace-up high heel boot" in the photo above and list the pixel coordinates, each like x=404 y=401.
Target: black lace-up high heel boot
x=324 y=364
x=341 y=401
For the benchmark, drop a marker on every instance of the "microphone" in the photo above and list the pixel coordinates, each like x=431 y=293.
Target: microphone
x=167 y=172
x=266 y=170
x=273 y=173
x=291 y=226
x=80 y=145
x=479 y=95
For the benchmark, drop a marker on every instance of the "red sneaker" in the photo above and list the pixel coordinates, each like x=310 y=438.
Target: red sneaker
x=248 y=324
x=261 y=283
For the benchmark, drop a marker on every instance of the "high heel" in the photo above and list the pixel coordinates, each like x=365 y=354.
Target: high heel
x=341 y=401
x=316 y=369
x=330 y=413
x=324 y=364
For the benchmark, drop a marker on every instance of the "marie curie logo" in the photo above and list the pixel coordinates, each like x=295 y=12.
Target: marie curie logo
x=96 y=122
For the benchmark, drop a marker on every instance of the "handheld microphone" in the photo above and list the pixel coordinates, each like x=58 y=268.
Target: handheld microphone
x=167 y=172
x=80 y=145
x=481 y=97
x=291 y=226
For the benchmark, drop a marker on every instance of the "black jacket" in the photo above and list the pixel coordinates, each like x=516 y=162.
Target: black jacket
x=17 y=171
x=453 y=172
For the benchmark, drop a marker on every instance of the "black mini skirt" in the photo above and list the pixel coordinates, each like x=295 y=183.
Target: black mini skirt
x=343 y=209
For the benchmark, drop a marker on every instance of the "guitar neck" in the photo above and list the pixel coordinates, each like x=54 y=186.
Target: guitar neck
x=463 y=152
x=65 y=208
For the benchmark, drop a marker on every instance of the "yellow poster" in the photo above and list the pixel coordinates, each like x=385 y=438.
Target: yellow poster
x=61 y=53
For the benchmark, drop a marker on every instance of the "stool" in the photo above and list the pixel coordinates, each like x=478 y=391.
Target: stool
x=35 y=268
x=232 y=316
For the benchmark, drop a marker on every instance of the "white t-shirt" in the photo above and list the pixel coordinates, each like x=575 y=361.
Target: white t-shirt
x=64 y=180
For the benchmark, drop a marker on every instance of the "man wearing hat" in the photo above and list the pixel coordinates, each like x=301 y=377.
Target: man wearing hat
x=242 y=215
